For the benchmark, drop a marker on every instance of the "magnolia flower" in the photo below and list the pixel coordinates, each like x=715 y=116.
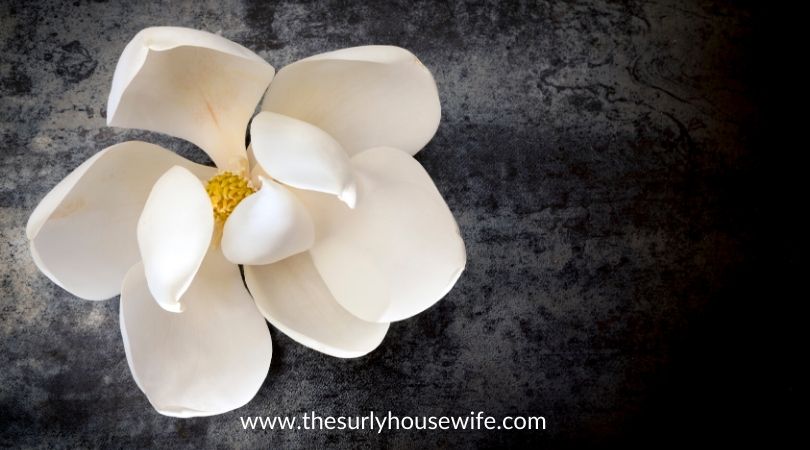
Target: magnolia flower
x=338 y=229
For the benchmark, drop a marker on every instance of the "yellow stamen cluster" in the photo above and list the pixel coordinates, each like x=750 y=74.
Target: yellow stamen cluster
x=226 y=190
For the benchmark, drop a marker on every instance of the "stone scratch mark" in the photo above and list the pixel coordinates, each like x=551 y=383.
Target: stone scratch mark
x=634 y=73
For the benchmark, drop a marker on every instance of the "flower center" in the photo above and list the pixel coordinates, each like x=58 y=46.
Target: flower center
x=226 y=190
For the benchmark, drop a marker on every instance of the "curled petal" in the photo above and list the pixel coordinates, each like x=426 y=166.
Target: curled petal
x=301 y=155
x=266 y=227
x=292 y=296
x=399 y=251
x=191 y=84
x=363 y=96
x=211 y=358
x=174 y=232
x=83 y=232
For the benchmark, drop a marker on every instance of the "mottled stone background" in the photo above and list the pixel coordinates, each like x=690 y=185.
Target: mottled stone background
x=602 y=159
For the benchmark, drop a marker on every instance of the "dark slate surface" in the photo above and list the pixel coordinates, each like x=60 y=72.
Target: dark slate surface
x=598 y=157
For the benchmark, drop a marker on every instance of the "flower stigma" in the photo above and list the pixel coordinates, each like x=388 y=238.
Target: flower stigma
x=226 y=190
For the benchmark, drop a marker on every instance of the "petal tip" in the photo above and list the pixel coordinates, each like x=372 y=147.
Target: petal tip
x=173 y=307
x=349 y=195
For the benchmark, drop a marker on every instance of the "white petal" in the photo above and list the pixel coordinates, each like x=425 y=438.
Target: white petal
x=301 y=155
x=190 y=84
x=399 y=251
x=363 y=96
x=267 y=226
x=211 y=358
x=83 y=233
x=294 y=298
x=174 y=232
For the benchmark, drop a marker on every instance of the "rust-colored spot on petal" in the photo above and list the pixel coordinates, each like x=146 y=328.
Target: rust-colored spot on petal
x=211 y=111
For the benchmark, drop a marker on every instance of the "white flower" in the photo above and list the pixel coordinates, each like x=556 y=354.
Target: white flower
x=344 y=234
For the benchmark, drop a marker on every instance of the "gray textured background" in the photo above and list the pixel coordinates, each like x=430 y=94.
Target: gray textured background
x=598 y=158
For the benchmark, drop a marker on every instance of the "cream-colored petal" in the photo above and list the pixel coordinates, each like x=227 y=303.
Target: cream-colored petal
x=174 y=232
x=301 y=155
x=211 y=358
x=191 y=84
x=399 y=251
x=363 y=96
x=83 y=232
x=292 y=296
x=267 y=226
x=256 y=172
